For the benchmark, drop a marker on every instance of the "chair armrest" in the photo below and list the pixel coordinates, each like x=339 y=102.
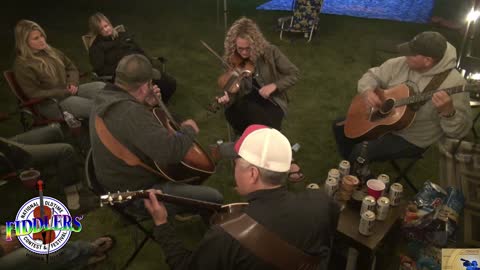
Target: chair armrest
x=284 y=19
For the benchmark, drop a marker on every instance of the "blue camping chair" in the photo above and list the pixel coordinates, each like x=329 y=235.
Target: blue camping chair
x=304 y=19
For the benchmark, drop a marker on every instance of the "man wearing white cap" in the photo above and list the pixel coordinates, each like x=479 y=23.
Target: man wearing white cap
x=306 y=220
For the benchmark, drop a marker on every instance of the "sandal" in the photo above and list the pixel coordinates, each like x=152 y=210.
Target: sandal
x=101 y=245
x=295 y=175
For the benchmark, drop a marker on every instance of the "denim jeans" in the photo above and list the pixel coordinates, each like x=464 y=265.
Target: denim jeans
x=387 y=147
x=46 y=148
x=79 y=105
x=74 y=255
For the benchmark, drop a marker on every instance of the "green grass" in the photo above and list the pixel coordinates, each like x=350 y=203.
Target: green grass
x=330 y=66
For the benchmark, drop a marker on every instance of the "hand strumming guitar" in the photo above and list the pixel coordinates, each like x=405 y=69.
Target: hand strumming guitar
x=371 y=99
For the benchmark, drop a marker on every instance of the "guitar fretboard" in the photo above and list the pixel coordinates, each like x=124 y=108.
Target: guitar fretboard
x=427 y=96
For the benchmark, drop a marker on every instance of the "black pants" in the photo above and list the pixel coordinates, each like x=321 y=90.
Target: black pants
x=385 y=148
x=253 y=109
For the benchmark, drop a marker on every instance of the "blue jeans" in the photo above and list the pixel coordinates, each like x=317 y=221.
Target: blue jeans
x=387 y=147
x=46 y=147
x=74 y=255
x=79 y=105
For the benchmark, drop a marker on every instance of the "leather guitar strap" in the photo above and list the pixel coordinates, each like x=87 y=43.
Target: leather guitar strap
x=267 y=245
x=118 y=149
x=433 y=85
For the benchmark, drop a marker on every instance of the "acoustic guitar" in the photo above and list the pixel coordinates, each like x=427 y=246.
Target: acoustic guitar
x=395 y=113
x=196 y=165
x=221 y=212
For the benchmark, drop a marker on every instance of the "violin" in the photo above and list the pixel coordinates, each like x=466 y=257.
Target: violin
x=45 y=213
x=241 y=68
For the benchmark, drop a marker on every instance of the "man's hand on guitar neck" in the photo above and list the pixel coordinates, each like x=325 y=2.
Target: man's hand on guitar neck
x=156 y=209
x=372 y=100
x=444 y=104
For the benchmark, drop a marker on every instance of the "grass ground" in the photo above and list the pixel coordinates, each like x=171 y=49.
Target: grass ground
x=330 y=65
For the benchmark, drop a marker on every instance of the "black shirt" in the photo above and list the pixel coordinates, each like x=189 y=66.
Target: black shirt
x=306 y=220
x=105 y=52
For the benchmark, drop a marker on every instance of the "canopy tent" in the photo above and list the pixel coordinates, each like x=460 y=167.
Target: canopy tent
x=399 y=10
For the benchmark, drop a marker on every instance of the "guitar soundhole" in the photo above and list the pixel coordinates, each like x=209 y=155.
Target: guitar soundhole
x=387 y=106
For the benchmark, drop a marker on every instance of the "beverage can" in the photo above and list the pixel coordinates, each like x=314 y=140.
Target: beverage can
x=395 y=194
x=367 y=220
x=386 y=180
x=331 y=186
x=368 y=204
x=383 y=206
x=335 y=173
x=344 y=168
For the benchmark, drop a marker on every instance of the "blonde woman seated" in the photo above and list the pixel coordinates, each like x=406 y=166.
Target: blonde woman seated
x=111 y=45
x=45 y=72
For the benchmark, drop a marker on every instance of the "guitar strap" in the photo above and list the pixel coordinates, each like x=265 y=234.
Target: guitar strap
x=119 y=150
x=268 y=246
x=433 y=85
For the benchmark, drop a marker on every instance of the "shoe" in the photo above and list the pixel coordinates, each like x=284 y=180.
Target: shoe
x=295 y=175
x=101 y=246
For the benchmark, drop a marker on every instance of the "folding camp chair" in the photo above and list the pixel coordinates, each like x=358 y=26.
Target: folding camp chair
x=30 y=116
x=304 y=20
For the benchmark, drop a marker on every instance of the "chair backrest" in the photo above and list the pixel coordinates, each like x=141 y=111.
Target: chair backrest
x=305 y=14
x=14 y=86
x=88 y=39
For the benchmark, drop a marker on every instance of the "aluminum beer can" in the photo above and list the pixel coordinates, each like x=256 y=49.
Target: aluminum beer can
x=368 y=204
x=335 y=173
x=344 y=168
x=383 y=205
x=331 y=186
x=367 y=220
x=386 y=180
x=395 y=194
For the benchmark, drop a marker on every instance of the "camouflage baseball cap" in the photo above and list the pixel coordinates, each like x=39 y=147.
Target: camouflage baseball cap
x=431 y=44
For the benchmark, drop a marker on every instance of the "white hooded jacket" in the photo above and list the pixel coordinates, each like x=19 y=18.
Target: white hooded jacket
x=428 y=126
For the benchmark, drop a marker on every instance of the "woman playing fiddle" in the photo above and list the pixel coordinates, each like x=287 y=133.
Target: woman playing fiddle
x=261 y=97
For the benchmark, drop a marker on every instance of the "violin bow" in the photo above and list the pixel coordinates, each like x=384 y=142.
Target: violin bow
x=216 y=54
x=42 y=212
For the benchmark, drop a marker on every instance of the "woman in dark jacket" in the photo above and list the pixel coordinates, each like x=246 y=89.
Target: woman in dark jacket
x=111 y=45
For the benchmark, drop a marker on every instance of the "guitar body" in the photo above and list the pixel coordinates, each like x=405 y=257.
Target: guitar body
x=362 y=123
x=195 y=167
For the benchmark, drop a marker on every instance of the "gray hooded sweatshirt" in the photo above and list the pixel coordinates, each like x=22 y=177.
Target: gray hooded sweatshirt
x=428 y=126
x=134 y=125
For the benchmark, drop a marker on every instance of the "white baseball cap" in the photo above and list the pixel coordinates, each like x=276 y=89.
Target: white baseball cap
x=265 y=147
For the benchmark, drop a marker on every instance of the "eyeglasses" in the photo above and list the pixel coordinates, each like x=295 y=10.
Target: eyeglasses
x=246 y=49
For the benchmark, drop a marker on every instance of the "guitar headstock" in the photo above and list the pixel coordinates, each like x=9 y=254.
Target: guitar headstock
x=119 y=197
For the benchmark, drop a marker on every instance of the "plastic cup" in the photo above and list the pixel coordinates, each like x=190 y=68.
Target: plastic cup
x=375 y=188
x=29 y=178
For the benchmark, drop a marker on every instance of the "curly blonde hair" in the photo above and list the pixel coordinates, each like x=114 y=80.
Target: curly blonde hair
x=247 y=29
x=24 y=52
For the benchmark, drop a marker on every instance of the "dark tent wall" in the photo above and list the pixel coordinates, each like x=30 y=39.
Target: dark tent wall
x=399 y=10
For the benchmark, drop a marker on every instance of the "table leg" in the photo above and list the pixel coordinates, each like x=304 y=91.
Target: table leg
x=352 y=257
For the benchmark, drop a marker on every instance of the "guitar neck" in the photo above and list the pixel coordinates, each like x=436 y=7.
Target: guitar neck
x=427 y=96
x=180 y=200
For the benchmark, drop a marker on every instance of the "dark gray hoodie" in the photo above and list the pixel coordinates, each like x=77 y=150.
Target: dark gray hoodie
x=133 y=125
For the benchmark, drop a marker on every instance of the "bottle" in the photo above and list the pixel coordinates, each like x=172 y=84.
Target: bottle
x=360 y=165
x=73 y=123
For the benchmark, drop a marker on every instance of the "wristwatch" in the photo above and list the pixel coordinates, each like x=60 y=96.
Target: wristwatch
x=450 y=115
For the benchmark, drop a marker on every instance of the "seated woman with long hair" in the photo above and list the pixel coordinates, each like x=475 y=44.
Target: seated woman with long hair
x=45 y=72
x=111 y=45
